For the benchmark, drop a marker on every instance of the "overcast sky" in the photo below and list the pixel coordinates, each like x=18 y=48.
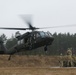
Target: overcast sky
x=45 y=13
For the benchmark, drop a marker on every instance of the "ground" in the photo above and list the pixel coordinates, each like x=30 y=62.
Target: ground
x=37 y=71
x=33 y=65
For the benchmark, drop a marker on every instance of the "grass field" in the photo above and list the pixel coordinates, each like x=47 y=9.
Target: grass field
x=28 y=61
x=33 y=65
x=37 y=71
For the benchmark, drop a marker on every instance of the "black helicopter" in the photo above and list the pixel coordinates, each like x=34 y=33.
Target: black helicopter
x=28 y=41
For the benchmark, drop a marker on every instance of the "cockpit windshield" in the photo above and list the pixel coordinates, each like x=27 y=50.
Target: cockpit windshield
x=42 y=34
x=45 y=34
x=49 y=34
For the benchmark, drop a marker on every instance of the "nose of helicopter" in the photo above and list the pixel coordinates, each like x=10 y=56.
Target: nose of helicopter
x=49 y=40
x=46 y=41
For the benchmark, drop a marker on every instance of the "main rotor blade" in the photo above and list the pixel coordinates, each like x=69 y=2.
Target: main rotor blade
x=58 y=26
x=34 y=28
x=14 y=28
x=28 y=19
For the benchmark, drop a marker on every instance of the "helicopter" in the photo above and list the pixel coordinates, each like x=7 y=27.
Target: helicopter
x=27 y=41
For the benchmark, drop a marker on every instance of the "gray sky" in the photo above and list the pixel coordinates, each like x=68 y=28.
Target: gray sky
x=46 y=13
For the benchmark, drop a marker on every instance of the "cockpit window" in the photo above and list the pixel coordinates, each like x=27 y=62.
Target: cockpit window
x=20 y=42
x=37 y=35
x=45 y=34
x=49 y=34
x=42 y=34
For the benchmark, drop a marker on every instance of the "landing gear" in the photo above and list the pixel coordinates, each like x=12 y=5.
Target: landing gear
x=45 y=48
x=9 y=57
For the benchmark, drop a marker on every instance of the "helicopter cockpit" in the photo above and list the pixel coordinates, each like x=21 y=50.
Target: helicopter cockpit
x=45 y=34
x=40 y=34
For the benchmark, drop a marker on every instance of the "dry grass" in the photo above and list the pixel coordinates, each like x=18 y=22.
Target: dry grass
x=32 y=65
x=28 y=61
x=37 y=71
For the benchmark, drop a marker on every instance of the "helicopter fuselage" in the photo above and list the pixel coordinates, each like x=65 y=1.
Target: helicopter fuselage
x=33 y=40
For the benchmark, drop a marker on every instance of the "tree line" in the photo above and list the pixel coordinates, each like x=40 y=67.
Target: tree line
x=60 y=44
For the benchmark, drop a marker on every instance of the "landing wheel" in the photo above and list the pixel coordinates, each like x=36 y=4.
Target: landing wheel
x=45 y=48
x=9 y=57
